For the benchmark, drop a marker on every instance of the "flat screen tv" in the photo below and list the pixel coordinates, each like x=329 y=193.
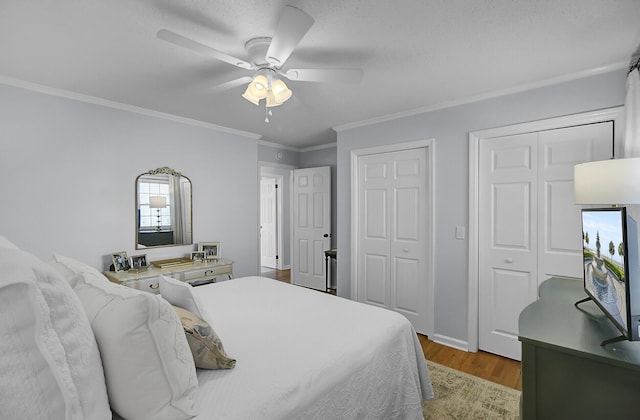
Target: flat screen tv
x=611 y=269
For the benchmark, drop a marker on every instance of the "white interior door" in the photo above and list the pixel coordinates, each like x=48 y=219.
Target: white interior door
x=311 y=231
x=392 y=233
x=268 y=223
x=529 y=225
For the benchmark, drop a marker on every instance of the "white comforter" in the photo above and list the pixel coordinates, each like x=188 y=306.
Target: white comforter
x=302 y=354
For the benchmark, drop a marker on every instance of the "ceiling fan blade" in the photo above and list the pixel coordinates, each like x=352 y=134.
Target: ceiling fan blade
x=230 y=84
x=292 y=26
x=324 y=75
x=181 y=41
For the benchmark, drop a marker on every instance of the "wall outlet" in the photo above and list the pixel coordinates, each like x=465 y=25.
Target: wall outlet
x=459 y=232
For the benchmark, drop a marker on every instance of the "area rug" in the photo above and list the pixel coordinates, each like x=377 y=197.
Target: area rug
x=460 y=396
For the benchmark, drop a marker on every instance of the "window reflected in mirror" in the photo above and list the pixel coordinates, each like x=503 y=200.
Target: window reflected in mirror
x=163 y=209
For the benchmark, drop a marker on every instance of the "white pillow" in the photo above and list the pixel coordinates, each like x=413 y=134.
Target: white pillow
x=49 y=357
x=148 y=365
x=181 y=294
x=69 y=267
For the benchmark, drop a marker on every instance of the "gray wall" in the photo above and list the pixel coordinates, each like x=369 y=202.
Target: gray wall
x=68 y=173
x=450 y=127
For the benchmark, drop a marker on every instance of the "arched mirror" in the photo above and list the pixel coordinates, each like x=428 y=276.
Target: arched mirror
x=163 y=209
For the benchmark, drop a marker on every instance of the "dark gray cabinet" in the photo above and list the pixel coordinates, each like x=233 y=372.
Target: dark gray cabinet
x=566 y=374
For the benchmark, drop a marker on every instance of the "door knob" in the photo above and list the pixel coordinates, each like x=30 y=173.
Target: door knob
x=327 y=235
x=508 y=260
x=405 y=250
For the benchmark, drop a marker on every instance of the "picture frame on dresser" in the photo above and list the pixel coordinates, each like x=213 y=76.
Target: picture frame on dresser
x=120 y=261
x=198 y=256
x=211 y=250
x=139 y=262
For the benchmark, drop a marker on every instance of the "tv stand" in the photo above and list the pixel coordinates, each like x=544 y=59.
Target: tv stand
x=566 y=373
x=605 y=342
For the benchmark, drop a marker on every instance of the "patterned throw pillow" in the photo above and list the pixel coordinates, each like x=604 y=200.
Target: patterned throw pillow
x=206 y=347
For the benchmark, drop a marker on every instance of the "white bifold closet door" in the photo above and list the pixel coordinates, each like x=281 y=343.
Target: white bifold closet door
x=392 y=233
x=529 y=226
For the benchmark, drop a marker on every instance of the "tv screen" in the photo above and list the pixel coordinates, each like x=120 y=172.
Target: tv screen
x=609 y=240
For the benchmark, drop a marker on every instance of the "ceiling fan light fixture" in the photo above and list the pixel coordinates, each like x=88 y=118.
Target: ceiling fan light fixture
x=280 y=91
x=250 y=97
x=260 y=83
x=256 y=90
x=271 y=100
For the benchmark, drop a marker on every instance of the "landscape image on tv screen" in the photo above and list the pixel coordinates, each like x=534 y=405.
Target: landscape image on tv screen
x=604 y=271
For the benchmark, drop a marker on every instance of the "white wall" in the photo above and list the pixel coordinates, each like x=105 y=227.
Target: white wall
x=68 y=170
x=450 y=127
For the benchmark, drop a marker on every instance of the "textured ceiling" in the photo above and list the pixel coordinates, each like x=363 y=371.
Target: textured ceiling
x=414 y=53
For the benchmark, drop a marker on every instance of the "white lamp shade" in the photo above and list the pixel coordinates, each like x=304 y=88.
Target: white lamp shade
x=610 y=182
x=158 y=202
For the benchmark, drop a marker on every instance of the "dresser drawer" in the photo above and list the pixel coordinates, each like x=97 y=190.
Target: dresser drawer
x=149 y=284
x=196 y=275
x=206 y=273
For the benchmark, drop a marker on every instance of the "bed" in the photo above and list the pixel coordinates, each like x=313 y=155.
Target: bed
x=309 y=355
x=76 y=346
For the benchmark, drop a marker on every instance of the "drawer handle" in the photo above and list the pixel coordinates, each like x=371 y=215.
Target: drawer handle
x=154 y=286
x=206 y=273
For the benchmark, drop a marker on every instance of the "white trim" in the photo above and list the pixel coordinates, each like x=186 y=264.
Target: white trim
x=615 y=114
x=319 y=147
x=428 y=144
x=118 y=105
x=278 y=146
x=265 y=164
x=279 y=218
x=483 y=96
x=451 y=342
x=297 y=149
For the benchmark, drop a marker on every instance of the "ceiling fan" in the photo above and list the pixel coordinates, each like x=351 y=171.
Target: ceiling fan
x=267 y=56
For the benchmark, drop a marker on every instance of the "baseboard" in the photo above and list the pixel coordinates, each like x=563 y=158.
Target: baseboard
x=451 y=342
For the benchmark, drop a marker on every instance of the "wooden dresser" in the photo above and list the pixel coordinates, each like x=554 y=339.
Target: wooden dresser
x=195 y=273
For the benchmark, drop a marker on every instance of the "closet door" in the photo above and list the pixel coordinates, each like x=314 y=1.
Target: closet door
x=392 y=233
x=559 y=227
x=529 y=225
x=508 y=277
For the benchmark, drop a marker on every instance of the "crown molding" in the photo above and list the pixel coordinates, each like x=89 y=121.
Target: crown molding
x=319 y=147
x=484 y=96
x=278 y=145
x=47 y=90
x=297 y=149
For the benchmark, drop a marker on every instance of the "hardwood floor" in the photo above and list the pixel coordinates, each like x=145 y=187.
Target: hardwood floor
x=485 y=365
x=282 y=275
x=482 y=364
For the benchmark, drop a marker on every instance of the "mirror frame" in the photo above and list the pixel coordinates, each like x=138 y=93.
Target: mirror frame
x=160 y=171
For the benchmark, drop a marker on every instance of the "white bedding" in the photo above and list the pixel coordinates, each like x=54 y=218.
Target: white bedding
x=302 y=354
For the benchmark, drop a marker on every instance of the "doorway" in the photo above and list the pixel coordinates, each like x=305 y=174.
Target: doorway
x=274 y=217
x=270 y=222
